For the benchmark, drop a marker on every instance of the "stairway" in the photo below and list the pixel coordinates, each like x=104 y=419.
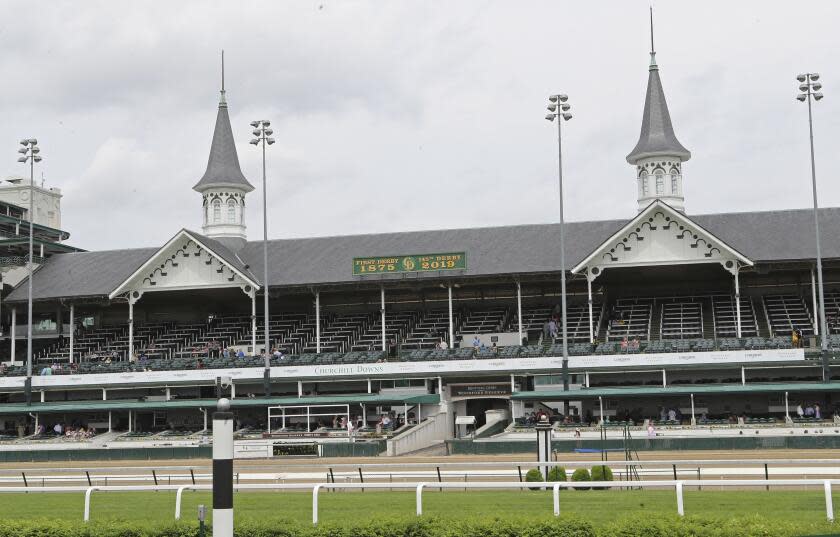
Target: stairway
x=655 y=328
x=708 y=318
x=760 y=317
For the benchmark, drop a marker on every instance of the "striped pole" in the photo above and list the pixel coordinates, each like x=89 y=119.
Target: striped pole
x=223 y=470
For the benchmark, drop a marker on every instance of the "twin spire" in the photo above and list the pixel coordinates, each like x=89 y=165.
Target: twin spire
x=657 y=138
x=223 y=165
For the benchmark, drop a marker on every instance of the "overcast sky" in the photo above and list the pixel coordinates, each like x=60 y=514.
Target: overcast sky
x=396 y=115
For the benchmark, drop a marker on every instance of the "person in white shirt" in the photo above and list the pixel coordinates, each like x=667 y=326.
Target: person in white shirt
x=672 y=415
x=476 y=343
x=443 y=345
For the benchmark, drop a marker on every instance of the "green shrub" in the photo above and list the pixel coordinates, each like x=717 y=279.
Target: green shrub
x=534 y=476
x=581 y=474
x=601 y=473
x=557 y=473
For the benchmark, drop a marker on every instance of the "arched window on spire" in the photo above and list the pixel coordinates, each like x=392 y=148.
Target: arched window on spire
x=643 y=186
x=231 y=211
x=675 y=182
x=660 y=182
x=217 y=212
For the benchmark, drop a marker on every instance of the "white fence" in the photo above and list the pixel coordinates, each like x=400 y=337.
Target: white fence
x=678 y=486
x=422 y=471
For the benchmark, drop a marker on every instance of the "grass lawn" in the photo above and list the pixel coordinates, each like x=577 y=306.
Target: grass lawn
x=807 y=507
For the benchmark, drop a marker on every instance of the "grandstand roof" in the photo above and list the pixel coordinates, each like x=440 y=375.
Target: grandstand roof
x=768 y=236
x=223 y=165
x=657 y=136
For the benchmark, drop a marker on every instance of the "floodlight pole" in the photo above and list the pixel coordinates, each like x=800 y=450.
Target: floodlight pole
x=809 y=82
x=558 y=109
x=30 y=152
x=262 y=133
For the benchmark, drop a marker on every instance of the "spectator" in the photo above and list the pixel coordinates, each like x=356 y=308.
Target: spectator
x=625 y=345
x=552 y=328
x=809 y=411
x=651 y=432
x=547 y=330
x=817 y=414
x=240 y=354
x=800 y=412
x=476 y=342
x=443 y=345
x=58 y=430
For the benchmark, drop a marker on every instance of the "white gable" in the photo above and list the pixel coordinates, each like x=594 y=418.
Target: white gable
x=185 y=263
x=659 y=235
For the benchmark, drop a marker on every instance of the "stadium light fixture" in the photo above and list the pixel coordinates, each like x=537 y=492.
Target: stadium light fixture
x=262 y=133
x=808 y=88
x=556 y=101
x=29 y=153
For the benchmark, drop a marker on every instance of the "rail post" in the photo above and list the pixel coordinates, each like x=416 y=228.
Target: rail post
x=178 y=494
x=315 y=490
x=87 y=474
x=680 y=507
x=829 y=504
x=674 y=466
x=192 y=476
x=766 y=476
x=88 y=492
x=439 y=479
x=154 y=477
x=361 y=478
x=223 y=470
x=557 y=499
x=25 y=482
x=419 y=496
x=519 y=468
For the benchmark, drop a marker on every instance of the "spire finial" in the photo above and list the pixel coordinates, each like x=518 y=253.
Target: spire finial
x=222 y=98
x=652 y=49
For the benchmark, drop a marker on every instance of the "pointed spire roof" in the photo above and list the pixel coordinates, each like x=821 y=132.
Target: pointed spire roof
x=223 y=165
x=657 y=137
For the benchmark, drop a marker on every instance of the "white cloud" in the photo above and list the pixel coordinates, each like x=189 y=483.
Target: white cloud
x=394 y=116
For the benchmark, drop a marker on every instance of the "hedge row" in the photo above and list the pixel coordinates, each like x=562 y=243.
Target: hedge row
x=564 y=526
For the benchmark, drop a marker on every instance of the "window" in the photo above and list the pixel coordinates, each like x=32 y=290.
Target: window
x=231 y=213
x=660 y=184
x=644 y=185
x=217 y=212
x=675 y=184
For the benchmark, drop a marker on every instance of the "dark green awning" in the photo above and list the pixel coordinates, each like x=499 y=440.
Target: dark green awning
x=133 y=404
x=594 y=393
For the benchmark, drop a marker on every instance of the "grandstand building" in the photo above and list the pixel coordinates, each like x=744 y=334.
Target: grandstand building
x=694 y=313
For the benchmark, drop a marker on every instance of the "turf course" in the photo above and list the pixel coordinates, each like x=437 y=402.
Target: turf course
x=597 y=507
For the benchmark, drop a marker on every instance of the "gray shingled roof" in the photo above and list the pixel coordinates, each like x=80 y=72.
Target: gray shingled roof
x=761 y=236
x=83 y=274
x=657 y=138
x=223 y=165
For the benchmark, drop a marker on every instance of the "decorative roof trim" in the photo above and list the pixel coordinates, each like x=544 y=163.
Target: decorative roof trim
x=656 y=205
x=123 y=287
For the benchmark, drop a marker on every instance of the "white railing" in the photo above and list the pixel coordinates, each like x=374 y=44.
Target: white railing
x=677 y=485
x=38 y=478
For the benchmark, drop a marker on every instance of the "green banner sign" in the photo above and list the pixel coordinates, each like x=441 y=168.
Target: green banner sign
x=409 y=263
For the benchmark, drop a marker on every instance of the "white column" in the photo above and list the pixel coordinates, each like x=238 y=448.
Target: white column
x=589 y=295
x=129 y=422
x=104 y=394
x=232 y=390
x=519 y=308
x=743 y=376
x=253 y=324
x=787 y=409
x=451 y=325
x=317 y=321
x=110 y=428
x=814 y=298
x=13 y=335
x=43 y=396
x=664 y=379
x=300 y=389
x=72 y=330
x=737 y=304
x=369 y=386
x=693 y=420
x=512 y=384
x=601 y=405
x=130 y=328
x=223 y=471
x=382 y=311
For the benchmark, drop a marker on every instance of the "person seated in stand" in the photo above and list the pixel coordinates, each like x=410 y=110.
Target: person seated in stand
x=809 y=411
x=240 y=354
x=476 y=342
x=552 y=328
x=625 y=344
x=634 y=344
x=443 y=345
